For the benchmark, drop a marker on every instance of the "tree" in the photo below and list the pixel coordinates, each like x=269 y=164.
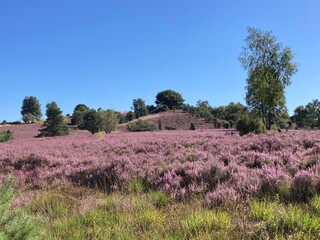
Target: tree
x=55 y=125
x=139 y=108
x=169 y=98
x=97 y=121
x=130 y=116
x=92 y=121
x=270 y=68
x=110 y=121
x=31 y=109
x=308 y=116
x=248 y=124
x=78 y=114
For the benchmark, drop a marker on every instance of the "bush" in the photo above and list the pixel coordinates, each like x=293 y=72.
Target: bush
x=160 y=125
x=303 y=188
x=247 y=125
x=170 y=127
x=192 y=126
x=6 y=136
x=141 y=126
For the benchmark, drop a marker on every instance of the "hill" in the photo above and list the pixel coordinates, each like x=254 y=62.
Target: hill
x=178 y=119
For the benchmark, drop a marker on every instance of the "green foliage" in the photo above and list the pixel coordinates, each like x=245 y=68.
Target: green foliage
x=6 y=136
x=15 y=224
x=97 y=121
x=51 y=205
x=78 y=114
x=92 y=121
x=121 y=117
x=169 y=98
x=308 y=117
x=130 y=116
x=270 y=68
x=31 y=110
x=247 y=125
x=160 y=199
x=55 y=125
x=136 y=186
x=223 y=116
x=192 y=126
x=170 y=127
x=110 y=121
x=151 y=108
x=160 y=108
x=139 y=108
x=287 y=222
x=205 y=222
x=140 y=126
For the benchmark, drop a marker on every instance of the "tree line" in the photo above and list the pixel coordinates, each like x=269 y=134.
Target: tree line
x=269 y=67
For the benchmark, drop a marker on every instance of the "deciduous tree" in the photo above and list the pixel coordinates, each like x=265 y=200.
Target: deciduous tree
x=270 y=69
x=169 y=98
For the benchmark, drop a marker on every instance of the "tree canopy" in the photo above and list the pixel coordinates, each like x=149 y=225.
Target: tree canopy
x=97 y=121
x=78 y=114
x=169 y=98
x=308 y=116
x=270 y=69
x=31 y=109
x=139 y=107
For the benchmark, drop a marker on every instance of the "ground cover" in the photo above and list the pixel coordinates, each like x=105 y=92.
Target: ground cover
x=204 y=183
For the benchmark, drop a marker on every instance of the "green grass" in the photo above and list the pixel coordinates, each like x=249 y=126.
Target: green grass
x=79 y=213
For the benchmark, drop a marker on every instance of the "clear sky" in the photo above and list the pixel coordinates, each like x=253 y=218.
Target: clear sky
x=106 y=53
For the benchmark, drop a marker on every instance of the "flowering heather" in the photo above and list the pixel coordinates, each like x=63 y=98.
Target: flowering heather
x=182 y=163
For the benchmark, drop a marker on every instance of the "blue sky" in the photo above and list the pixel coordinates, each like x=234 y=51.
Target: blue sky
x=107 y=53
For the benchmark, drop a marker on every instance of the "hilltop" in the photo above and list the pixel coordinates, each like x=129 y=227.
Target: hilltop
x=178 y=119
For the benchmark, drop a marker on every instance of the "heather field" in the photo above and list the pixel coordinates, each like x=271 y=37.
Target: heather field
x=199 y=184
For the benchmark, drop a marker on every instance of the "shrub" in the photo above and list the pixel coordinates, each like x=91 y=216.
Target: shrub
x=6 y=136
x=192 y=126
x=303 y=188
x=14 y=222
x=170 y=127
x=141 y=126
x=247 y=125
x=160 y=125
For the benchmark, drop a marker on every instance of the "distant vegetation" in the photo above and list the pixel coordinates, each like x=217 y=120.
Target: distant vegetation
x=54 y=125
x=6 y=136
x=31 y=110
x=141 y=126
x=269 y=66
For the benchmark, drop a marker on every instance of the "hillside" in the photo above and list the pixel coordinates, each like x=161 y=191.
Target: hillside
x=181 y=120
